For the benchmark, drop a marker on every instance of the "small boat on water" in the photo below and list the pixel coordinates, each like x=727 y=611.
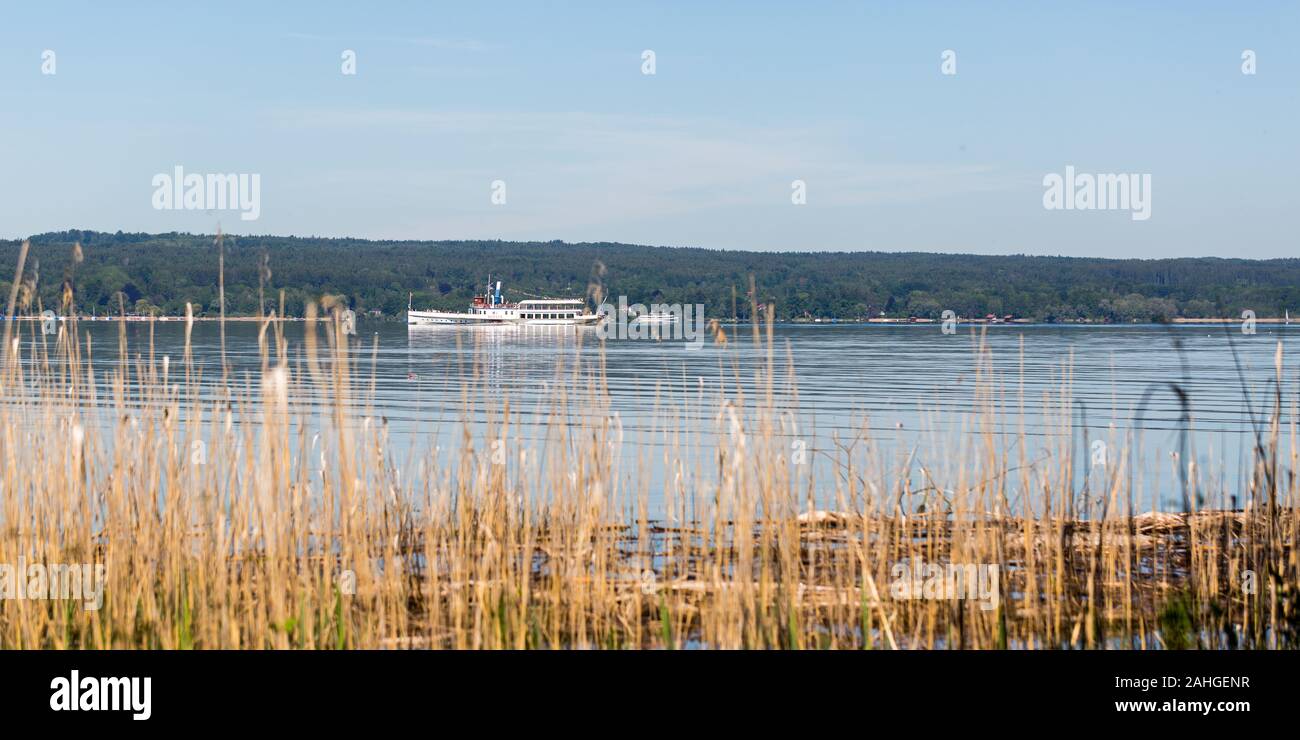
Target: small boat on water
x=491 y=308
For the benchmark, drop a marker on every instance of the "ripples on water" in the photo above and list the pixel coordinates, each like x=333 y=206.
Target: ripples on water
x=903 y=384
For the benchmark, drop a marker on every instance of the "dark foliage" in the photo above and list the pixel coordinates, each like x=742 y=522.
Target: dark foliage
x=161 y=272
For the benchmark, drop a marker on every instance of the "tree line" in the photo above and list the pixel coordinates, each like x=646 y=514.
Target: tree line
x=160 y=273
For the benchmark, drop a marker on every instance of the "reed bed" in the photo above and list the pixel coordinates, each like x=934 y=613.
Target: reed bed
x=240 y=518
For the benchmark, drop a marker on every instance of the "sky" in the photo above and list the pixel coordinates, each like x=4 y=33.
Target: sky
x=538 y=121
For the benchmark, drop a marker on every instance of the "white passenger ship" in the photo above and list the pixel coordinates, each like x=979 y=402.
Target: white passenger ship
x=490 y=308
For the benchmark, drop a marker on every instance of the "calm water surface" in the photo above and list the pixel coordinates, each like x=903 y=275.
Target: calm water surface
x=899 y=384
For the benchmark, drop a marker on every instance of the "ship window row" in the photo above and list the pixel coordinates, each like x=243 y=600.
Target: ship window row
x=550 y=315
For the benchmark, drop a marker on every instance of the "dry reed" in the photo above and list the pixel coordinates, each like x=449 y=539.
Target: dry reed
x=242 y=520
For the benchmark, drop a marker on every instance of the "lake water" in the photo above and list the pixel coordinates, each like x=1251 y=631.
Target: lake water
x=902 y=383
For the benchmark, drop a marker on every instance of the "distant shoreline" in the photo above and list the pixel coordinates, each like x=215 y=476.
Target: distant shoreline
x=892 y=321
x=169 y=319
x=145 y=274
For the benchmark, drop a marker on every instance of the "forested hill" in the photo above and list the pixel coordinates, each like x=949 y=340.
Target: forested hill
x=160 y=272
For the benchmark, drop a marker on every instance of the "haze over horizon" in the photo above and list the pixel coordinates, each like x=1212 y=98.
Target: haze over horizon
x=849 y=99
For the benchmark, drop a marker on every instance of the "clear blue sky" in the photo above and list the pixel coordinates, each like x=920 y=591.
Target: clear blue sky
x=747 y=96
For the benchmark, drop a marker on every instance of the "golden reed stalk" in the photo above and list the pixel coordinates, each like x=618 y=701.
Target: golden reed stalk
x=234 y=514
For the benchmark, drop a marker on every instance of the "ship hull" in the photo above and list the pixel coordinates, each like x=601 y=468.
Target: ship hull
x=451 y=318
x=448 y=318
